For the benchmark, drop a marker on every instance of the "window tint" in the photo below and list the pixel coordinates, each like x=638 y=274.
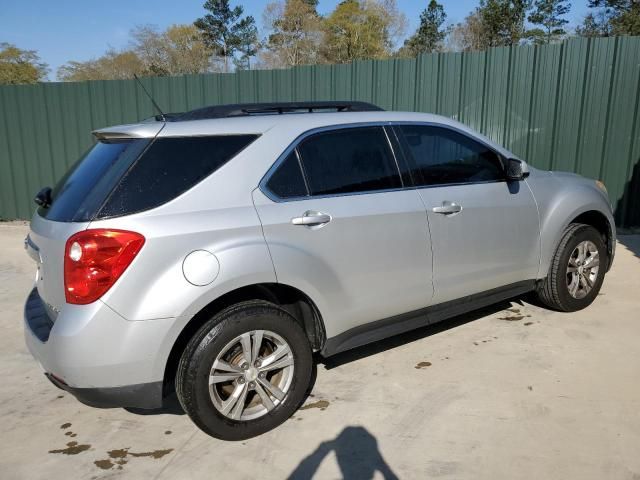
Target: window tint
x=442 y=156
x=83 y=189
x=349 y=160
x=287 y=181
x=169 y=167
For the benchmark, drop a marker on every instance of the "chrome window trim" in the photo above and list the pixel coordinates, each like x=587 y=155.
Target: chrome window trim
x=385 y=125
x=302 y=172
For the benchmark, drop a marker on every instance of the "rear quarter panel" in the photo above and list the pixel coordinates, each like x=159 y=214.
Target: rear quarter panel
x=216 y=215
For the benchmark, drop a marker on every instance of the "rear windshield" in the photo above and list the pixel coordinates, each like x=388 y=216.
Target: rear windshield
x=126 y=176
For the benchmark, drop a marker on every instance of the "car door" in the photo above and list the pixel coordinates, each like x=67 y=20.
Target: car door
x=484 y=229
x=341 y=227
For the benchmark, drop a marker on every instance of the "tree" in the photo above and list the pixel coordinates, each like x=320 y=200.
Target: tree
x=467 y=36
x=20 y=66
x=595 y=25
x=549 y=15
x=430 y=34
x=502 y=21
x=295 y=34
x=221 y=28
x=178 y=50
x=361 y=30
x=113 y=65
x=615 y=17
x=248 y=44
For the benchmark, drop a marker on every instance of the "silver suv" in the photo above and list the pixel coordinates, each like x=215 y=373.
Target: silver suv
x=212 y=253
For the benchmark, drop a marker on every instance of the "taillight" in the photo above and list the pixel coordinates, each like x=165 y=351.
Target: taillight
x=94 y=260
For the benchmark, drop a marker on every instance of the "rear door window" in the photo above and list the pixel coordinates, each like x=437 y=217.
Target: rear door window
x=349 y=160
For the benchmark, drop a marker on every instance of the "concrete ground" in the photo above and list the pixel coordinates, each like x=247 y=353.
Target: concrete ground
x=514 y=391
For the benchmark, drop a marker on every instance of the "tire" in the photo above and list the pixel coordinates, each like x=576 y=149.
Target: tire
x=210 y=344
x=555 y=290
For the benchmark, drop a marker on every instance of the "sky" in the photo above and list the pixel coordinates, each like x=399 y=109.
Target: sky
x=79 y=30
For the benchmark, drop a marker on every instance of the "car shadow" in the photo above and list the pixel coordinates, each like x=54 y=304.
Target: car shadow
x=170 y=406
x=631 y=242
x=356 y=452
x=419 y=333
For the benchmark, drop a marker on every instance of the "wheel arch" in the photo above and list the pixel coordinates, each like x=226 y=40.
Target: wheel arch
x=599 y=221
x=588 y=214
x=291 y=299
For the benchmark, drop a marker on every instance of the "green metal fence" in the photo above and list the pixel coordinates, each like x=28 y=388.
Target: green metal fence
x=571 y=106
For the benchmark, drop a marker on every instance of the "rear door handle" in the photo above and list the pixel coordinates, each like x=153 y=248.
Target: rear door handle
x=447 y=208
x=311 y=219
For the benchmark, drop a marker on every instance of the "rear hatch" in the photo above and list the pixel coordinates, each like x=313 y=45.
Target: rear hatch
x=120 y=176
x=73 y=203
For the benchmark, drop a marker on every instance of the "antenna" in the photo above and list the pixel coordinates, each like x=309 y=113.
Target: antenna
x=150 y=98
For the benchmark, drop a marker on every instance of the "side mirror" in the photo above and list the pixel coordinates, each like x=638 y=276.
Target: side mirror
x=516 y=169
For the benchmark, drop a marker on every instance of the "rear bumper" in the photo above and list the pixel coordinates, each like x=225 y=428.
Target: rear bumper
x=145 y=395
x=98 y=356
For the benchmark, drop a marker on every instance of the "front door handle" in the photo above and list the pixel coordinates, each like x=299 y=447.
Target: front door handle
x=447 y=208
x=311 y=219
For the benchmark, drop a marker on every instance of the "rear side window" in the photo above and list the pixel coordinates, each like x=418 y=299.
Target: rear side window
x=288 y=181
x=349 y=160
x=442 y=156
x=169 y=167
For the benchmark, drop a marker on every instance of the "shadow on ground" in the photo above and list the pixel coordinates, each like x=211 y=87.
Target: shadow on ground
x=632 y=242
x=170 y=406
x=420 y=333
x=356 y=452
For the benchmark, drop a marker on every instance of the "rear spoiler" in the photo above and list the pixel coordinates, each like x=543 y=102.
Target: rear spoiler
x=135 y=130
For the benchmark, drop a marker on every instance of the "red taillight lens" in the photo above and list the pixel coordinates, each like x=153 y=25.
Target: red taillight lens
x=94 y=260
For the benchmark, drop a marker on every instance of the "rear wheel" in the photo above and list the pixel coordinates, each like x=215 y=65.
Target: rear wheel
x=245 y=372
x=577 y=270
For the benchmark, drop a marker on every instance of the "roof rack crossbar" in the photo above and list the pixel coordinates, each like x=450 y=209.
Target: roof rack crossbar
x=238 y=110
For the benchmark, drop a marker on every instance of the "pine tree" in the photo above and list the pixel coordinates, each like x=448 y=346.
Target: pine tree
x=248 y=44
x=548 y=14
x=430 y=34
x=221 y=26
x=619 y=17
x=502 y=21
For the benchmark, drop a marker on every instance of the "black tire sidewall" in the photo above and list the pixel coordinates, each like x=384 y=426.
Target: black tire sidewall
x=214 y=336
x=584 y=233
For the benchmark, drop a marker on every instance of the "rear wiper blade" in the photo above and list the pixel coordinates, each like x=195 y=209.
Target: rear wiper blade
x=43 y=198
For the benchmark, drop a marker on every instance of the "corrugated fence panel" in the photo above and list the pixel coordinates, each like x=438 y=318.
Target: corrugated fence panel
x=570 y=106
x=518 y=111
x=595 y=111
x=472 y=96
x=542 y=120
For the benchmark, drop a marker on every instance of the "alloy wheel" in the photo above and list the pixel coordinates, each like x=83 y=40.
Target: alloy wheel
x=582 y=270
x=251 y=375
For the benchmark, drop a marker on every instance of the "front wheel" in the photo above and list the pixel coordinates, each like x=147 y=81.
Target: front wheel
x=245 y=372
x=577 y=270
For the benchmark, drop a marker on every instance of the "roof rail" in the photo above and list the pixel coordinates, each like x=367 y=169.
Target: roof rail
x=244 y=109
